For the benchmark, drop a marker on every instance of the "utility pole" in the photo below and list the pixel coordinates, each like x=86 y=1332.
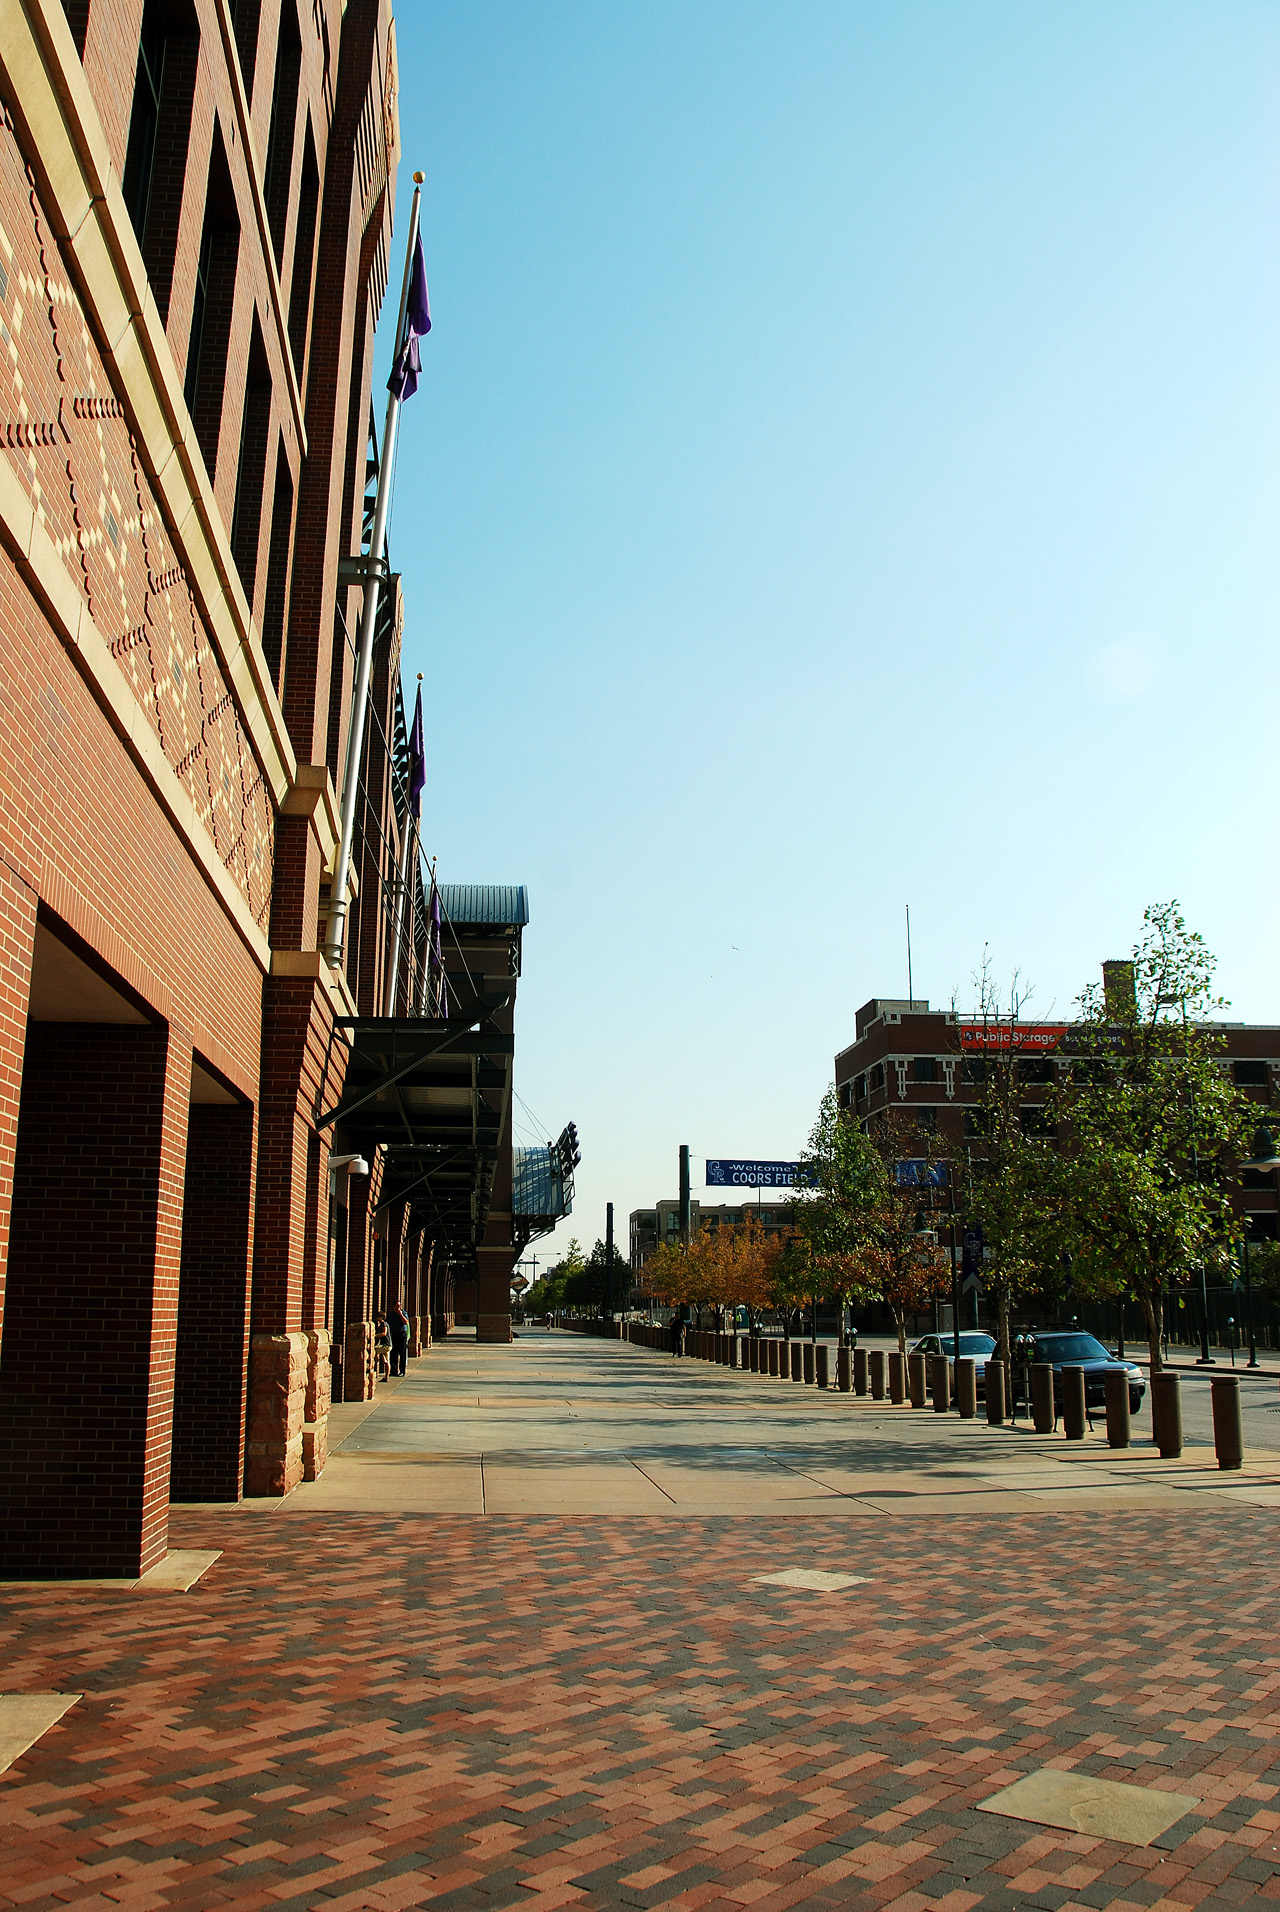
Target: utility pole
x=608 y=1260
x=684 y=1194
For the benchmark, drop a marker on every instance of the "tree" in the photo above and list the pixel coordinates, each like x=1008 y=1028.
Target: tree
x=862 y=1212
x=839 y=1180
x=548 y=1293
x=1009 y=1177
x=1156 y=1127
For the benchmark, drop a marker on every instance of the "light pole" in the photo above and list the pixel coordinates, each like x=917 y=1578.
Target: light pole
x=1264 y=1159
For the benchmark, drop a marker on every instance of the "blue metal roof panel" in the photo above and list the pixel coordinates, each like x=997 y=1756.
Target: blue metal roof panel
x=485 y=905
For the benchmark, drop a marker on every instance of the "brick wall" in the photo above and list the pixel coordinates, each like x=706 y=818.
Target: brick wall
x=211 y=1364
x=86 y=1362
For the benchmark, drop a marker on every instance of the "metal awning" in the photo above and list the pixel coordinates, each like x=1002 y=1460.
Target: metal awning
x=433 y=1095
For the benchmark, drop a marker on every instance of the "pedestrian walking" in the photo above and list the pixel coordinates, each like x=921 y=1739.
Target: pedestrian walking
x=382 y=1347
x=677 y=1325
x=399 y=1331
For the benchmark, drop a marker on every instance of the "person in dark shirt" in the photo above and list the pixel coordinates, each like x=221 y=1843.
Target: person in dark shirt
x=399 y=1326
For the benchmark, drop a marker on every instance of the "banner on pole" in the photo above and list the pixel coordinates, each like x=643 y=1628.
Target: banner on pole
x=725 y=1173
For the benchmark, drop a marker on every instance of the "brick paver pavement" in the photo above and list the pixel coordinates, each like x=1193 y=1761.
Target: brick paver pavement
x=390 y=1711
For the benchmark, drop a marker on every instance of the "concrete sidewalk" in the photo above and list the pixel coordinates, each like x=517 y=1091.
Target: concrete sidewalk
x=1066 y=1700
x=563 y=1423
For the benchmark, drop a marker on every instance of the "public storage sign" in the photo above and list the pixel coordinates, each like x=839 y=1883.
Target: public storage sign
x=733 y=1174
x=1035 y=1036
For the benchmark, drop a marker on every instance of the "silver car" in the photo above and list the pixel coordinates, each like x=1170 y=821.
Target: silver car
x=974 y=1346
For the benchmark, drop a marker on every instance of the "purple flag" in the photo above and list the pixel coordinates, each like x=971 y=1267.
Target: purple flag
x=404 y=373
x=435 y=956
x=417 y=761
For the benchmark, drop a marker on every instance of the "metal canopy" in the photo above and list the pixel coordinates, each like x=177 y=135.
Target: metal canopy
x=432 y=1094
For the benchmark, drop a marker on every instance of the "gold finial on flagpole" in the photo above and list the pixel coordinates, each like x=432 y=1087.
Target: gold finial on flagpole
x=418 y=178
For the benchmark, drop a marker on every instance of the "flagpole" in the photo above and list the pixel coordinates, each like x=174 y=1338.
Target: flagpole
x=335 y=928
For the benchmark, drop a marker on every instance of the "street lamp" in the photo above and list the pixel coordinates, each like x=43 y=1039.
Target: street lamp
x=1264 y=1159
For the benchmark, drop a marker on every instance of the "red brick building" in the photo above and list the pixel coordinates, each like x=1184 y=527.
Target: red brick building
x=195 y=243
x=927 y=1062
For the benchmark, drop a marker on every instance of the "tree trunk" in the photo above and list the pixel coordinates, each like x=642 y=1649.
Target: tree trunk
x=1153 y=1331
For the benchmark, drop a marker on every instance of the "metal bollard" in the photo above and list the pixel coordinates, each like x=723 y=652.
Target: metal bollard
x=1228 y=1425
x=967 y=1387
x=861 y=1370
x=822 y=1365
x=877 y=1372
x=1116 y=1382
x=797 y=1361
x=753 y=1353
x=918 y=1379
x=1074 y=1410
x=775 y=1350
x=1166 y=1415
x=941 y=1378
x=809 y=1368
x=897 y=1378
x=993 y=1383
x=844 y=1370
x=734 y=1345
x=724 y=1340
x=1042 y=1414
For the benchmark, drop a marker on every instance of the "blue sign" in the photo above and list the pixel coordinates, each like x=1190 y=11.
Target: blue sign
x=724 y=1174
x=918 y=1174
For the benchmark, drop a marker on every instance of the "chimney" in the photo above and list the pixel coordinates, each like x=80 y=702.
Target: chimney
x=1119 y=990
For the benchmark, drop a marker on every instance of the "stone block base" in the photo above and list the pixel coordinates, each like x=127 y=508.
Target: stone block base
x=491 y=1327
x=315 y=1449
x=358 y=1362
x=277 y=1401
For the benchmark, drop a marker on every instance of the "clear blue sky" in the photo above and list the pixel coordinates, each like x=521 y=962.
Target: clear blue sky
x=846 y=473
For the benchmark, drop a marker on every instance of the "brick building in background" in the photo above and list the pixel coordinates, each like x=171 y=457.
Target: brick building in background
x=928 y=1063
x=195 y=242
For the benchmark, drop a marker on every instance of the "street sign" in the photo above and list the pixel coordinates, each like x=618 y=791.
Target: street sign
x=916 y=1173
x=518 y=1284
x=726 y=1173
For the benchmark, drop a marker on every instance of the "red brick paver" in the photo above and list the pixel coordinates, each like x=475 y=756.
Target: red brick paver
x=378 y=1712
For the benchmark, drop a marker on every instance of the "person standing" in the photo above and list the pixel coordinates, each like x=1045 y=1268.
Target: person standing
x=399 y=1330
x=677 y=1332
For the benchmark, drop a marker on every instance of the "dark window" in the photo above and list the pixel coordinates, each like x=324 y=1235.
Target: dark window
x=244 y=16
x=1036 y=1120
x=927 y=1119
x=304 y=248
x=877 y=1076
x=215 y=290
x=973 y=1068
x=926 y=1069
x=275 y=608
x=144 y=123
x=1034 y=1069
x=277 y=176
x=859 y=1087
x=1258 y=1178
x=1251 y=1075
x=842 y=1095
x=255 y=425
x=159 y=131
x=1261 y=1227
x=77 y=12
x=975 y=1122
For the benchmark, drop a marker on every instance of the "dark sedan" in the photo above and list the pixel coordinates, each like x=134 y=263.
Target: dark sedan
x=1067 y=1347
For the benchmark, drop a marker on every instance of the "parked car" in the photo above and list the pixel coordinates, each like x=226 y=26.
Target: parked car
x=973 y=1346
x=1067 y=1347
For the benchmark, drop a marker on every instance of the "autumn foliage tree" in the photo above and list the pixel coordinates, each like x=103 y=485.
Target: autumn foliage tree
x=862 y=1211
